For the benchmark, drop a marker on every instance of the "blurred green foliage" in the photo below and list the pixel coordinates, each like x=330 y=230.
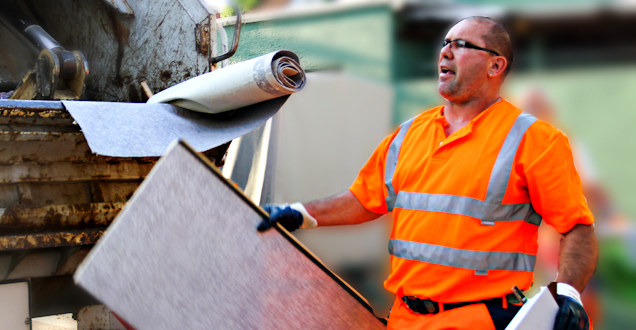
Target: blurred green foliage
x=245 y=5
x=617 y=272
x=227 y=12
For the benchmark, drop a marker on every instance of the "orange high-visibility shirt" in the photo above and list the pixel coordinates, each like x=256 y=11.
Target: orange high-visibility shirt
x=466 y=207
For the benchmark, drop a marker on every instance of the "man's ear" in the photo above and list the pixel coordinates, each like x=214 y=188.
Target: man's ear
x=497 y=67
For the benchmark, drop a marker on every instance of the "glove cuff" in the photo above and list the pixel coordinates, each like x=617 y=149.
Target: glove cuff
x=309 y=222
x=564 y=289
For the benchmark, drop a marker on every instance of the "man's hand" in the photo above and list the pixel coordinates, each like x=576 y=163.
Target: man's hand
x=291 y=217
x=343 y=209
x=571 y=314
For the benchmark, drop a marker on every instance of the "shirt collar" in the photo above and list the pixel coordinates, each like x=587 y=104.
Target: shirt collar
x=439 y=114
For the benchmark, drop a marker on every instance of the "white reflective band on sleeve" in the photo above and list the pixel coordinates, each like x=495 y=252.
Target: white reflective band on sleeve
x=564 y=289
x=309 y=222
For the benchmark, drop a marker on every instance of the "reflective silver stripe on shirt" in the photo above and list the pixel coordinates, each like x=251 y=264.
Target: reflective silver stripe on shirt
x=468 y=259
x=467 y=206
x=391 y=163
x=503 y=165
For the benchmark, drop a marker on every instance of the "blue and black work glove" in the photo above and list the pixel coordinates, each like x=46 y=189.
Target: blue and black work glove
x=291 y=217
x=571 y=314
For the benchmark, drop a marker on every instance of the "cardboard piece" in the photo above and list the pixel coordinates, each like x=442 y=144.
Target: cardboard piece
x=185 y=254
x=538 y=313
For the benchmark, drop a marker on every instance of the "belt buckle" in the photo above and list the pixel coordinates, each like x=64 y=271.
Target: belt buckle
x=430 y=306
x=418 y=303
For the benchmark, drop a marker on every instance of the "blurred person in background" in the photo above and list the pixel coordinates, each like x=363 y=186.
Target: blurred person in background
x=535 y=102
x=463 y=181
x=610 y=223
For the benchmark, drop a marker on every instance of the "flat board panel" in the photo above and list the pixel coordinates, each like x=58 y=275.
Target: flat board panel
x=14 y=305
x=185 y=254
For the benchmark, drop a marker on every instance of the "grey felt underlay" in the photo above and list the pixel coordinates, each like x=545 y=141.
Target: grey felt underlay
x=185 y=254
x=142 y=130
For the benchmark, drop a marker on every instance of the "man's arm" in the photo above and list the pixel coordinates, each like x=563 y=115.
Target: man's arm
x=342 y=209
x=578 y=256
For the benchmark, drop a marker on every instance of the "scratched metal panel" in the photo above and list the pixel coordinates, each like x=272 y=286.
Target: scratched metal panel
x=157 y=44
x=18 y=219
x=67 y=171
x=185 y=254
x=15 y=60
x=109 y=192
x=54 y=194
x=8 y=195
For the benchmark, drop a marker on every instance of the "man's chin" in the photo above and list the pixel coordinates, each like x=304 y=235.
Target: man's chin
x=446 y=90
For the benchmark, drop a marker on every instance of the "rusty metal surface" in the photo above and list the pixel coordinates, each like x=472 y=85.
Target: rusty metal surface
x=33 y=113
x=63 y=149
x=67 y=171
x=40 y=137
x=56 y=196
x=22 y=220
x=35 y=117
x=53 y=191
x=20 y=112
x=36 y=195
x=8 y=196
x=49 y=240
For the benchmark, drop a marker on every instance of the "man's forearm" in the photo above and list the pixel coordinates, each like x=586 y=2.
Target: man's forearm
x=578 y=256
x=342 y=209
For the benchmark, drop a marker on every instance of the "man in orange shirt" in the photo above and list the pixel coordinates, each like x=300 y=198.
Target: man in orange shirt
x=468 y=184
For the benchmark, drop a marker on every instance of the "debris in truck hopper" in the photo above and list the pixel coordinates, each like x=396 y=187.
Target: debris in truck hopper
x=146 y=89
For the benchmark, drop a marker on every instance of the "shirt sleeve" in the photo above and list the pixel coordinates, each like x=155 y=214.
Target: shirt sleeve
x=555 y=188
x=369 y=186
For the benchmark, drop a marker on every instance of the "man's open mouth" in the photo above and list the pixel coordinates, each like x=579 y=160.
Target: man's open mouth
x=446 y=70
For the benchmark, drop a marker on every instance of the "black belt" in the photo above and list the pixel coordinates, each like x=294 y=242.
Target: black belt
x=427 y=306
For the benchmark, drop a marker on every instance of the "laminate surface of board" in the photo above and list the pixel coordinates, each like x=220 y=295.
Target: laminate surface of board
x=185 y=254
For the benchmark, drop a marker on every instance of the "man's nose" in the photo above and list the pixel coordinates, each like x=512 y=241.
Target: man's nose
x=446 y=51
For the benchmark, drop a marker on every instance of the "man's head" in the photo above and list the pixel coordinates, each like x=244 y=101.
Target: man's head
x=475 y=59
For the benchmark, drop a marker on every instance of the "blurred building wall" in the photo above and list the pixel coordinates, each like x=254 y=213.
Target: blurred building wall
x=356 y=39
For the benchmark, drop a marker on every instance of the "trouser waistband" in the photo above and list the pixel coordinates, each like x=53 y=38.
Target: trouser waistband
x=427 y=306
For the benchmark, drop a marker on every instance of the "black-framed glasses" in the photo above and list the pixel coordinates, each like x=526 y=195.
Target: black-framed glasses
x=459 y=43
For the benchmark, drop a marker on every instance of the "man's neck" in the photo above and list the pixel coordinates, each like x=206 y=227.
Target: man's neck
x=459 y=114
